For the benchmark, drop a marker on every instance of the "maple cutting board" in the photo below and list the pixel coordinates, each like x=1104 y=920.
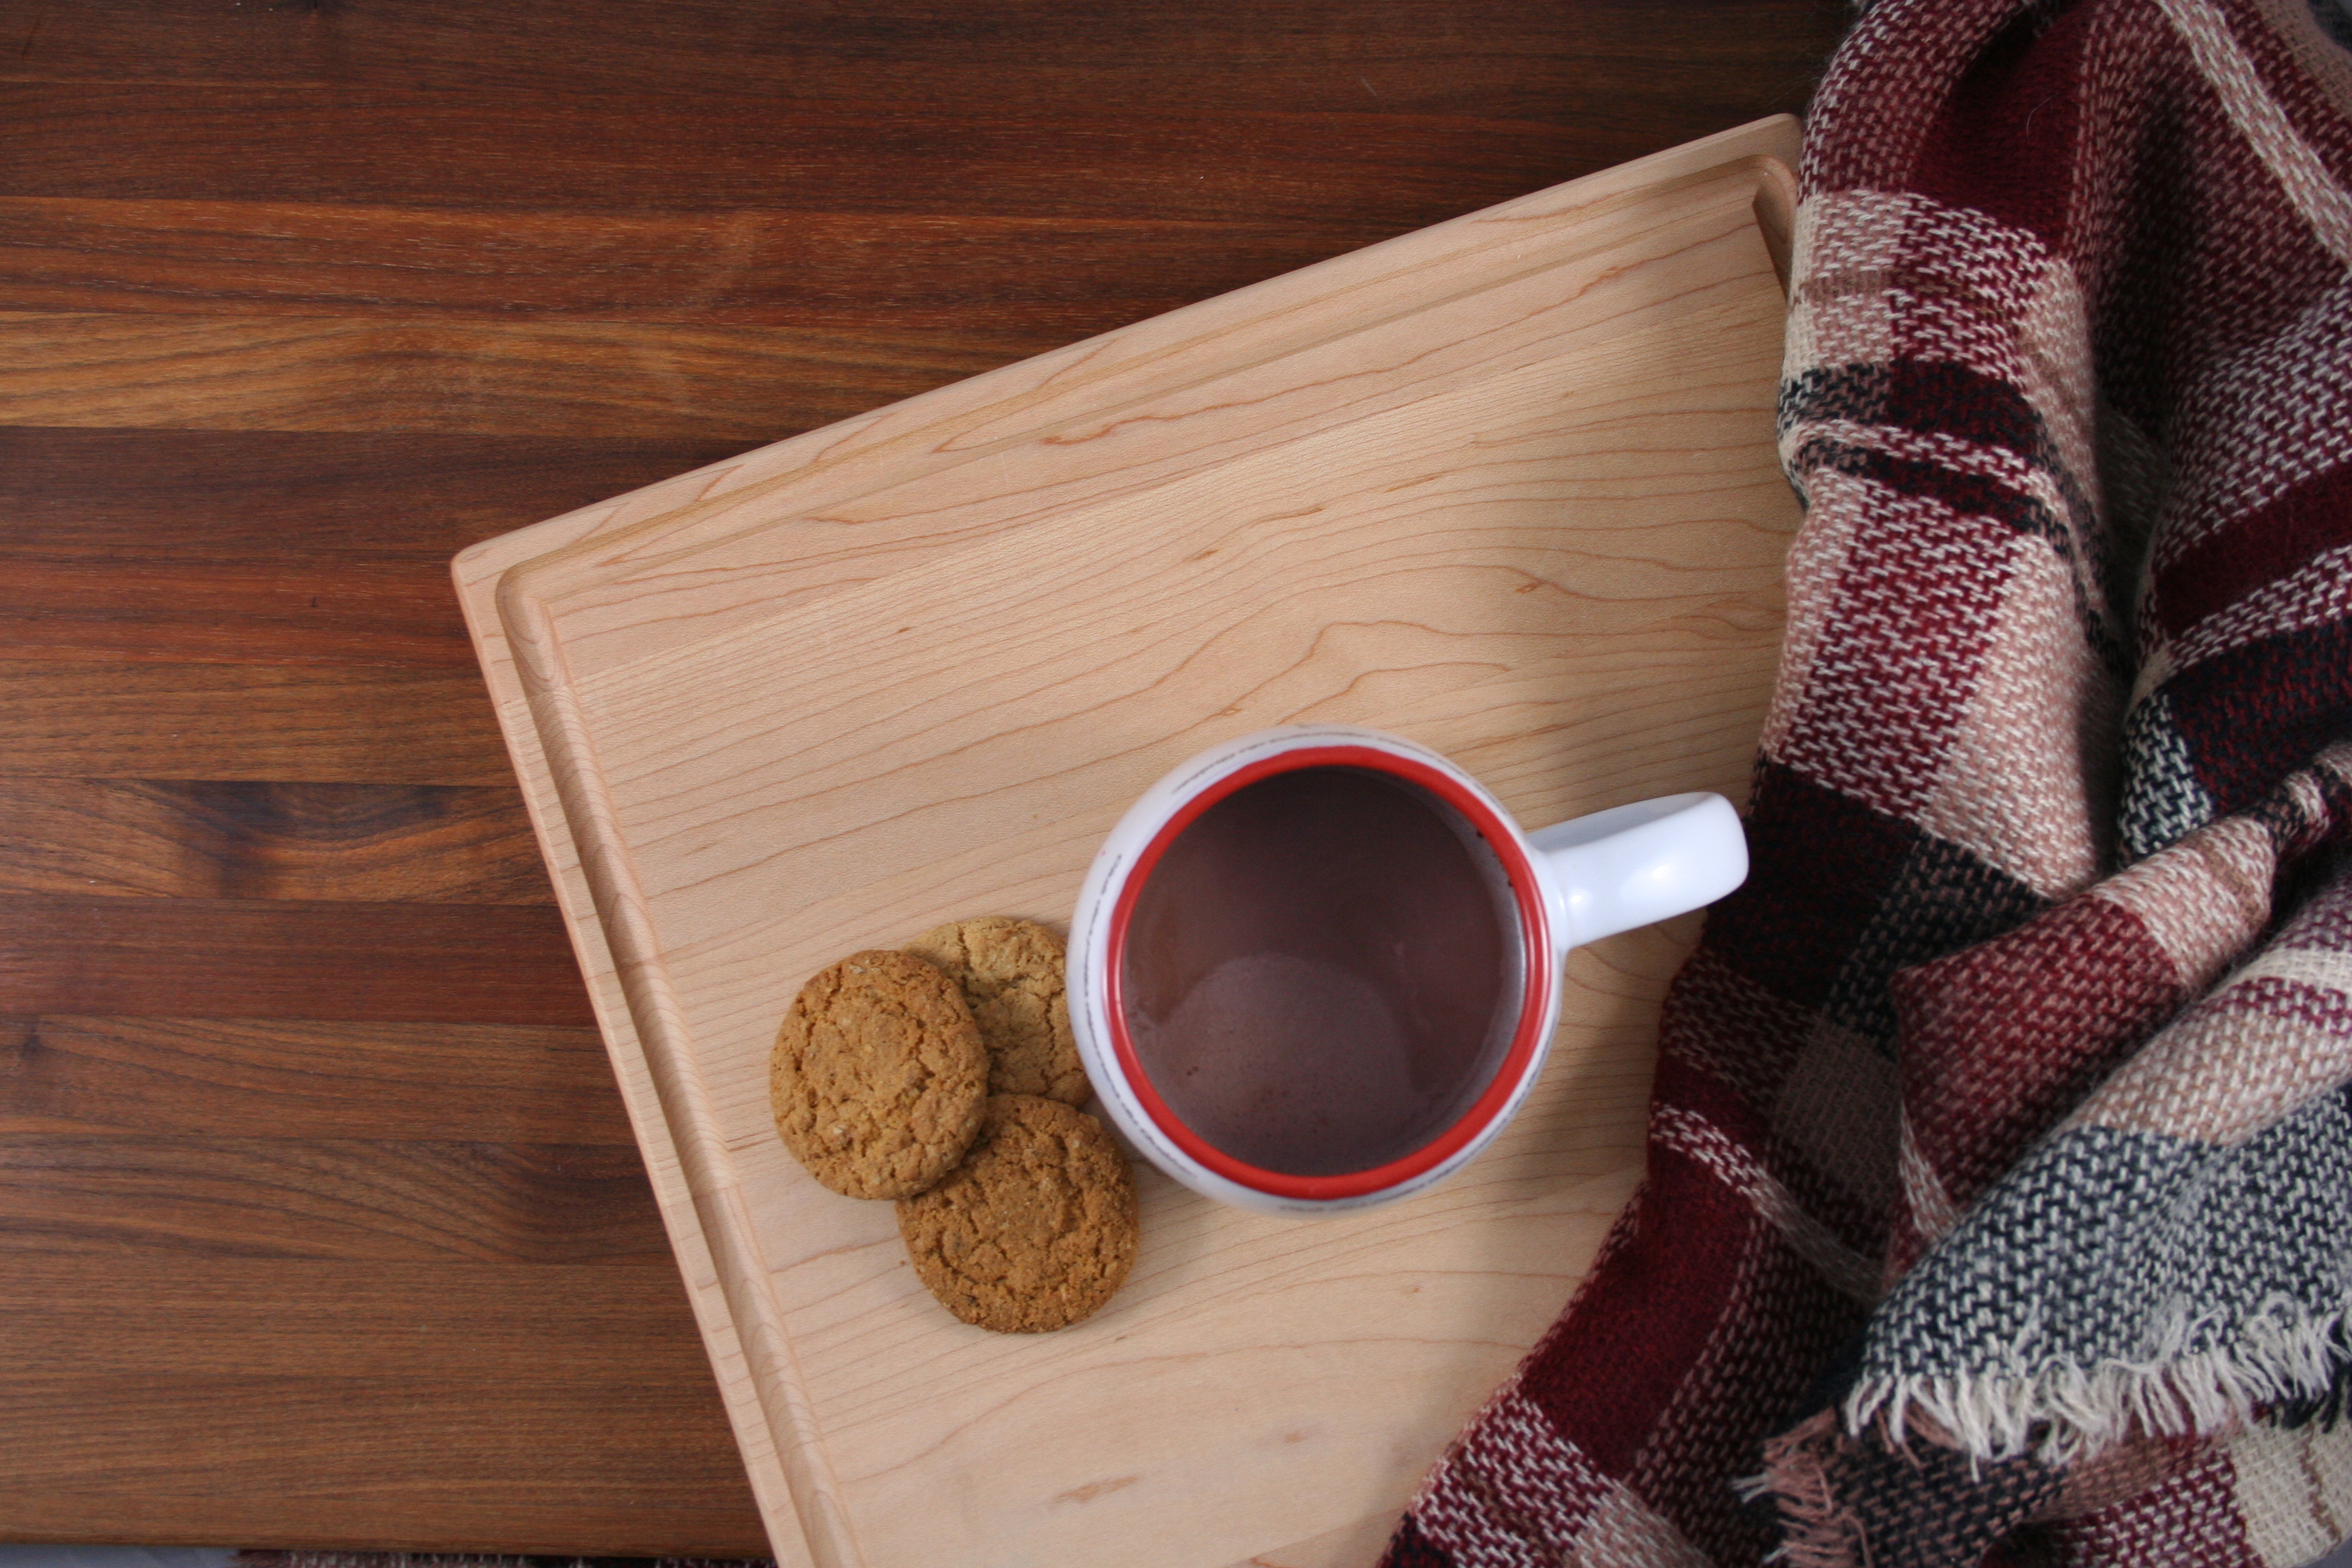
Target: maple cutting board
x=1506 y=485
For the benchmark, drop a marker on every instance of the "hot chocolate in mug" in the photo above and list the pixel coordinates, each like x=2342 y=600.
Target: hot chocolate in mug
x=1318 y=968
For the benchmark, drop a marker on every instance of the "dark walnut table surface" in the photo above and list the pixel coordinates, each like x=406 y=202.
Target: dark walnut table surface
x=320 y=1221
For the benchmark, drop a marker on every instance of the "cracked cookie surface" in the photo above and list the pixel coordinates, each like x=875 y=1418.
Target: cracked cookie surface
x=1012 y=974
x=1036 y=1229
x=878 y=1078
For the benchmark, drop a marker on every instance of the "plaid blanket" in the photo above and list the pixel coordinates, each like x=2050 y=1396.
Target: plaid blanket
x=1999 y=1207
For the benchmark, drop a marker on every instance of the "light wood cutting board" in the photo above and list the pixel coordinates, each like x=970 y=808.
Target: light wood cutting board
x=1506 y=485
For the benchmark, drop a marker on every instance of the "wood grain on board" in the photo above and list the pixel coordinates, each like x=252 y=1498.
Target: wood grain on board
x=298 y=300
x=1506 y=487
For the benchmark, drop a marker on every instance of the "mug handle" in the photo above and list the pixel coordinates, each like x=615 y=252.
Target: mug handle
x=1633 y=864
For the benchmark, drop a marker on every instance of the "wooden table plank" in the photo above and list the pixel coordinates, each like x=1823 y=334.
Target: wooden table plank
x=241 y=839
x=922 y=274
x=274 y=958
x=361 y=1199
x=223 y=1078
x=298 y=300
x=136 y=719
x=517 y=378
x=1536 y=59
x=600 y=151
x=368 y=613
x=320 y=500
x=332 y=1404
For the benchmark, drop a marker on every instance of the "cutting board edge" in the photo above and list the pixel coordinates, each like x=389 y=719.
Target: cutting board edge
x=486 y=573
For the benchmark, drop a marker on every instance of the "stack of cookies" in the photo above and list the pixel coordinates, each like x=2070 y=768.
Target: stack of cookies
x=945 y=1076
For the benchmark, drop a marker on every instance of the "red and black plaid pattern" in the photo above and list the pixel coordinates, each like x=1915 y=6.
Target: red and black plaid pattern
x=2001 y=1150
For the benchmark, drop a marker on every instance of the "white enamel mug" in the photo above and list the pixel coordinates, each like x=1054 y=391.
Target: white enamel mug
x=1318 y=968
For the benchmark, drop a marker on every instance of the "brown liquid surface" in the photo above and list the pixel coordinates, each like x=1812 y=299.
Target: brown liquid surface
x=1323 y=971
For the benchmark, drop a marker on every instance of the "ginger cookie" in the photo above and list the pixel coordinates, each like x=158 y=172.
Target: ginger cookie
x=1012 y=975
x=879 y=1076
x=1035 y=1229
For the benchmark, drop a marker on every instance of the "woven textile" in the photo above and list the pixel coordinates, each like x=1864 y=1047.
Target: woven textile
x=1999 y=1194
